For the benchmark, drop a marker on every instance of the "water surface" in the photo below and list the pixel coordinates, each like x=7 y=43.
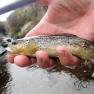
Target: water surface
x=41 y=82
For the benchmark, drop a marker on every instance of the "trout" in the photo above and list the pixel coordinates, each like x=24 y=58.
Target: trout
x=79 y=47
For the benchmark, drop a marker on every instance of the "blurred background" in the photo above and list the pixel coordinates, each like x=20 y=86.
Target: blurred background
x=18 y=22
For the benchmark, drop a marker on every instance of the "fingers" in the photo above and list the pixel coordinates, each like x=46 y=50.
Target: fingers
x=65 y=56
x=19 y=60
x=10 y=58
x=43 y=59
x=22 y=61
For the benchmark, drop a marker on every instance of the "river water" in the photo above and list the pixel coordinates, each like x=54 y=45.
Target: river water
x=17 y=80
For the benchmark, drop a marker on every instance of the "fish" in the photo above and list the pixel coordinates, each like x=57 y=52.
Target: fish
x=28 y=46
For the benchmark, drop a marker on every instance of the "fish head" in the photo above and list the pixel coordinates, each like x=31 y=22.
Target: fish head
x=23 y=46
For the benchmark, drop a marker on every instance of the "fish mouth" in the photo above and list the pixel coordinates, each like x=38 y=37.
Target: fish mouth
x=9 y=50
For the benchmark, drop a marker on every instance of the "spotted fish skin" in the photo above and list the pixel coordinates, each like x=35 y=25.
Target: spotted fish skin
x=28 y=46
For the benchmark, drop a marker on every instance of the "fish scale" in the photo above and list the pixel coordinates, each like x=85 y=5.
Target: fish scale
x=56 y=40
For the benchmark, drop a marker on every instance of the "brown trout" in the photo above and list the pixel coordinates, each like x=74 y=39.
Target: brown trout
x=79 y=47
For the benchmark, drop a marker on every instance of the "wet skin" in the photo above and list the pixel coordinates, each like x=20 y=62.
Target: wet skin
x=63 y=16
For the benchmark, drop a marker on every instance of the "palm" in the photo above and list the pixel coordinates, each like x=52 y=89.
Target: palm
x=72 y=17
x=67 y=16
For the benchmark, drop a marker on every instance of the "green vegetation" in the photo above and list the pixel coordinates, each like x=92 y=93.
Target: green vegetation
x=23 y=19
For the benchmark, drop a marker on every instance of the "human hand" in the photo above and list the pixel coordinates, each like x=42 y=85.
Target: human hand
x=63 y=16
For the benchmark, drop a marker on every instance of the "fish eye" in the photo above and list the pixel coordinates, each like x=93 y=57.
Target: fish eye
x=14 y=42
